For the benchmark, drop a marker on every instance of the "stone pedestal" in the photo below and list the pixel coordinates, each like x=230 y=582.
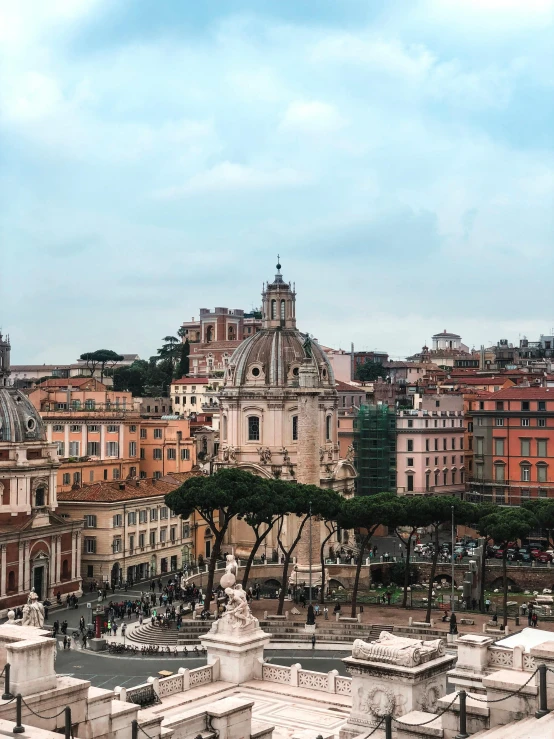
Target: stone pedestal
x=240 y=651
x=395 y=676
x=97 y=645
x=472 y=664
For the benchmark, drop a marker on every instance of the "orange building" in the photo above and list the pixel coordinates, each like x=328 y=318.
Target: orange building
x=513 y=445
x=166 y=446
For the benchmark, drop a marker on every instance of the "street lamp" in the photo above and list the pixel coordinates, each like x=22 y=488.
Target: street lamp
x=452 y=561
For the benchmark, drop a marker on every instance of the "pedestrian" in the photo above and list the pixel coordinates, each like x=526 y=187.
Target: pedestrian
x=123 y=629
x=487 y=605
x=326 y=613
x=65 y=641
x=84 y=640
x=453 y=626
x=530 y=615
x=389 y=595
x=535 y=619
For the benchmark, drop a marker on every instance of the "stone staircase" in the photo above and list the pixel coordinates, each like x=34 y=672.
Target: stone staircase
x=527 y=728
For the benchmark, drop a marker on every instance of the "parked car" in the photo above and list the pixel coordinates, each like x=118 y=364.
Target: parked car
x=544 y=557
x=499 y=553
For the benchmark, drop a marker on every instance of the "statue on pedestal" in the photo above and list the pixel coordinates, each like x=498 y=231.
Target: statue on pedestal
x=237 y=614
x=33 y=612
x=310 y=618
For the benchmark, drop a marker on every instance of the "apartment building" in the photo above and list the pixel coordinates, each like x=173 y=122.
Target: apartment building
x=166 y=446
x=195 y=395
x=513 y=445
x=430 y=446
x=129 y=533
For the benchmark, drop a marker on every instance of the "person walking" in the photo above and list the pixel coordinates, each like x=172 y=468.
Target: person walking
x=535 y=619
x=453 y=624
x=325 y=613
x=487 y=605
x=530 y=615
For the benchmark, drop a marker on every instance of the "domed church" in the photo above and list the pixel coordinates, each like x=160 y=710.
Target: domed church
x=279 y=407
x=38 y=548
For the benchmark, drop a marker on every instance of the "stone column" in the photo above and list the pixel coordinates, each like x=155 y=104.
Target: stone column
x=27 y=585
x=59 y=559
x=20 y=569
x=3 y=572
x=79 y=549
x=308 y=465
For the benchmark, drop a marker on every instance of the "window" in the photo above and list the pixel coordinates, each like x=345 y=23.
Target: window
x=142 y=474
x=61 y=448
x=185 y=454
x=437 y=404
x=410 y=461
x=525 y=473
x=164 y=512
x=436 y=460
x=445 y=478
x=142 y=540
x=75 y=429
x=479 y=444
x=186 y=531
x=328 y=428
x=90 y=545
x=132 y=429
x=295 y=428
x=444 y=444
x=499 y=405
x=426 y=445
x=500 y=422
x=105 y=474
x=427 y=461
x=57 y=427
x=541 y=472
x=90 y=522
x=524 y=405
x=541 y=422
x=410 y=424
x=427 y=481
x=143 y=453
x=93 y=448
x=113 y=429
x=453 y=459
x=112 y=449
x=66 y=478
x=444 y=460
x=499 y=472
x=157 y=453
x=132 y=448
x=90 y=405
x=541 y=448
x=525 y=422
x=177 y=400
x=453 y=443
x=436 y=479
x=163 y=535
x=480 y=421
x=542 y=405
x=173 y=533
x=436 y=445
x=116 y=474
x=74 y=447
x=499 y=447
x=426 y=424
x=253 y=428
x=436 y=424
x=479 y=471
x=461 y=442
x=131 y=542
x=142 y=516
x=444 y=424
x=116 y=545
x=525 y=447
x=410 y=483
x=410 y=446
x=91 y=476
x=172 y=454
x=153 y=514
x=152 y=538
x=143 y=433
x=61 y=406
x=132 y=518
x=117 y=520
x=453 y=477
x=157 y=433
x=193 y=400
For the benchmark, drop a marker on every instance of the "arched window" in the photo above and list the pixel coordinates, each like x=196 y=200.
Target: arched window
x=461 y=476
x=453 y=477
x=427 y=481
x=436 y=479
x=282 y=310
x=40 y=498
x=209 y=334
x=253 y=428
x=273 y=310
x=328 y=428
x=499 y=471
x=525 y=472
x=11 y=580
x=65 y=569
x=295 y=428
x=231 y=333
x=444 y=478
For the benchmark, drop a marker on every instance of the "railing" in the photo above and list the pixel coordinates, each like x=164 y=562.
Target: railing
x=295 y=676
x=157 y=688
x=142 y=695
x=500 y=657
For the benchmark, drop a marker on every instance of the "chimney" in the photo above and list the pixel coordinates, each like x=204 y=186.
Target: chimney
x=137 y=482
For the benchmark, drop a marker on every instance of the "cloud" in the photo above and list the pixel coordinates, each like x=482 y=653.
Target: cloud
x=312 y=117
x=231 y=177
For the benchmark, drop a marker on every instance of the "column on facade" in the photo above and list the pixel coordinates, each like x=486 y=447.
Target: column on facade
x=20 y=573
x=66 y=441
x=102 y=441
x=3 y=572
x=59 y=559
x=84 y=449
x=123 y=453
x=28 y=568
x=73 y=555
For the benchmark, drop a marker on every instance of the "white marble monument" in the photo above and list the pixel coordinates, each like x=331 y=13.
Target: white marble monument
x=236 y=638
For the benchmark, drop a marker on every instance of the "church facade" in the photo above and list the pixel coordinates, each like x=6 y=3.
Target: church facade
x=279 y=408
x=39 y=549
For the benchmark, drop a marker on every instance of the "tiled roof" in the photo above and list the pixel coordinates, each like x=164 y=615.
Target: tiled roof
x=66 y=381
x=192 y=381
x=344 y=387
x=524 y=393
x=477 y=380
x=111 y=492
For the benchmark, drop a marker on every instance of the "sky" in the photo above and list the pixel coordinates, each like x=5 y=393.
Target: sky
x=157 y=155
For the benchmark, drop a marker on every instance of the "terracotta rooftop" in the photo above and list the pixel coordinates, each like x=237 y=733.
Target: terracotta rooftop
x=73 y=381
x=477 y=380
x=345 y=387
x=119 y=490
x=524 y=393
x=192 y=381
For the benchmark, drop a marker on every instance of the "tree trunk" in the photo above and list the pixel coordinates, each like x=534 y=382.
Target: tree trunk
x=407 y=571
x=284 y=586
x=363 y=545
x=211 y=569
x=505 y=585
x=250 y=561
x=432 y=575
x=322 y=560
x=483 y=573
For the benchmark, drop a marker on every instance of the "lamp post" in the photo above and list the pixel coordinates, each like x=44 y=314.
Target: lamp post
x=310 y=553
x=452 y=560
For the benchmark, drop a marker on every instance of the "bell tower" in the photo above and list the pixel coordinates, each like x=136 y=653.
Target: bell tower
x=4 y=360
x=278 y=303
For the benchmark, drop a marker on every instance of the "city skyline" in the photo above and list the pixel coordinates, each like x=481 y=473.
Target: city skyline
x=155 y=161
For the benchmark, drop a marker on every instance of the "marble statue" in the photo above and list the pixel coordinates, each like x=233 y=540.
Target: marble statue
x=307 y=346
x=398 y=650
x=237 y=613
x=350 y=453
x=33 y=612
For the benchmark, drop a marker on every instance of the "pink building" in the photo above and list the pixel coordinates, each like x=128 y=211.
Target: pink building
x=430 y=447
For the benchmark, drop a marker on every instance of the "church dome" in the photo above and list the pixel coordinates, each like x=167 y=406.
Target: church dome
x=273 y=357
x=19 y=419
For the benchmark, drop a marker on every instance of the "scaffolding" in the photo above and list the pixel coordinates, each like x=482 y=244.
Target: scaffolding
x=375 y=449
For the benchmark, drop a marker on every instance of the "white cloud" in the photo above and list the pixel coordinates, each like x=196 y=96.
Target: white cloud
x=312 y=117
x=228 y=176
